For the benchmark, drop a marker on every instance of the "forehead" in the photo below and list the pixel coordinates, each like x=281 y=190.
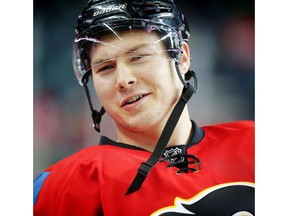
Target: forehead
x=126 y=41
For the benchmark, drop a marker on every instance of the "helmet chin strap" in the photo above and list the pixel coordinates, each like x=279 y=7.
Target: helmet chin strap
x=146 y=166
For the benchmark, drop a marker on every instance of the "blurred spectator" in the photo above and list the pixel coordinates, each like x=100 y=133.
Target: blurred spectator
x=235 y=63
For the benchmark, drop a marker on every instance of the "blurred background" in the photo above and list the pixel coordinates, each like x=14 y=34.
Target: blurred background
x=222 y=52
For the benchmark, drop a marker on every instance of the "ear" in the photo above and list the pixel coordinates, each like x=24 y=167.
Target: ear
x=185 y=59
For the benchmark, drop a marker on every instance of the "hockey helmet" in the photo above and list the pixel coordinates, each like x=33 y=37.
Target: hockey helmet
x=102 y=17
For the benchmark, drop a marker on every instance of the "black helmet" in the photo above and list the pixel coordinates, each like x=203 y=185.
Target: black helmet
x=100 y=17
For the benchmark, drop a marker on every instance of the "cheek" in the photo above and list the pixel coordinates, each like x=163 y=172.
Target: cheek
x=103 y=89
x=167 y=75
x=159 y=71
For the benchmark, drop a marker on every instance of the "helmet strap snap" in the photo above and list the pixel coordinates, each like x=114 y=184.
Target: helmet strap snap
x=96 y=116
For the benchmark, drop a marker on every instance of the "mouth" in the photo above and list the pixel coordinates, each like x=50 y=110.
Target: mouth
x=133 y=99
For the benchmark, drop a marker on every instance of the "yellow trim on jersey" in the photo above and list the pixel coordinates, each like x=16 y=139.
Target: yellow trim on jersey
x=178 y=208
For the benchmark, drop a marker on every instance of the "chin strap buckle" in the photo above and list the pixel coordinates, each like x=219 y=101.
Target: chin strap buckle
x=96 y=117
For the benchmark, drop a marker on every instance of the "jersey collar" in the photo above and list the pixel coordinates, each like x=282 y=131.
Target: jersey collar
x=198 y=134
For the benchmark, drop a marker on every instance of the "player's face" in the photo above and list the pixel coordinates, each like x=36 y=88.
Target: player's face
x=135 y=80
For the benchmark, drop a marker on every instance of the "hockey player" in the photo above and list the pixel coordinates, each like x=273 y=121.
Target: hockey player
x=137 y=57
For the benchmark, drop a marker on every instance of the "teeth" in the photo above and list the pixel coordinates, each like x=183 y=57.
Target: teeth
x=133 y=99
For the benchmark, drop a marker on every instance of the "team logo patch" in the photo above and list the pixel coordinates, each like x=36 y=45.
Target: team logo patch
x=231 y=199
x=174 y=152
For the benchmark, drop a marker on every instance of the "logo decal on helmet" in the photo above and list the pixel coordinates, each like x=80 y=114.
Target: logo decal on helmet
x=109 y=9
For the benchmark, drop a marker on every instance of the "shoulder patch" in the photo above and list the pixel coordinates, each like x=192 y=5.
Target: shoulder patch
x=37 y=185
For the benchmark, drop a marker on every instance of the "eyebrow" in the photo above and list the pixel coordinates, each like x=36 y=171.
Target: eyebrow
x=126 y=51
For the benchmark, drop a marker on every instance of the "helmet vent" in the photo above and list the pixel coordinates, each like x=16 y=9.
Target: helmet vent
x=154 y=8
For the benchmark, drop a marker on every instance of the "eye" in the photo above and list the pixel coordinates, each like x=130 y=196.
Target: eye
x=103 y=67
x=139 y=57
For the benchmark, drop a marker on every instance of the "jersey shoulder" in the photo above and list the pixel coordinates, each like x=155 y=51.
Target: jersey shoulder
x=236 y=132
x=89 y=156
x=80 y=168
x=226 y=128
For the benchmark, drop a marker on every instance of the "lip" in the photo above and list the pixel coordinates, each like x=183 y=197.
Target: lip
x=123 y=102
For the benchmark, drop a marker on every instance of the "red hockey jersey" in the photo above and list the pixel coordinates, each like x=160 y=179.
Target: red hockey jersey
x=94 y=180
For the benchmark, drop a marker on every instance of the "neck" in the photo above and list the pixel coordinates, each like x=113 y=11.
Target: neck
x=148 y=139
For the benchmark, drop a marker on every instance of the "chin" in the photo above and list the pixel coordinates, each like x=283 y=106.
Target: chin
x=142 y=123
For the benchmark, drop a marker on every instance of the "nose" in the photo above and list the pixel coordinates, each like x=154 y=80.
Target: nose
x=125 y=77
